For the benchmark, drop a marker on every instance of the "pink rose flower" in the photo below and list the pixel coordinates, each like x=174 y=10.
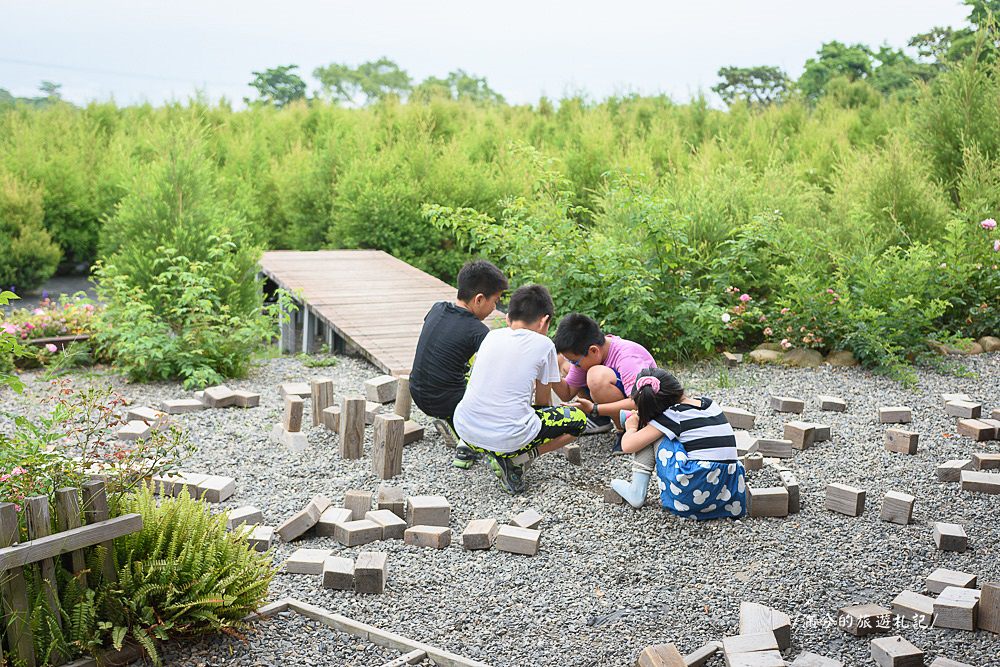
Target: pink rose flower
x=51 y=348
x=726 y=317
x=10 y=329
x=988 y=223
x=784 y=311
x=768 y=331
x=996 y=246
x=785 y=344
x=745 y=297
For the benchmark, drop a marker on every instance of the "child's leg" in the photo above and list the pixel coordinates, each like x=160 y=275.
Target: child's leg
x=643 y=465
x=605 y=387
x=561 y=425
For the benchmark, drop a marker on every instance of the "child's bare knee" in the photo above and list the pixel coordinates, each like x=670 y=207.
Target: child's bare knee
x=602 y=383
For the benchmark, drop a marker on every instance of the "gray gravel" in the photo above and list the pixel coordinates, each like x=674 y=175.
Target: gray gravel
x=610 y=580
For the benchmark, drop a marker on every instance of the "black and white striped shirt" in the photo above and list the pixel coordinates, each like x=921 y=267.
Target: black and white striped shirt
x=702 y=429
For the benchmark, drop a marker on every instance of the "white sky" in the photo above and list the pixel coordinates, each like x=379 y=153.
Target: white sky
x=141 y=50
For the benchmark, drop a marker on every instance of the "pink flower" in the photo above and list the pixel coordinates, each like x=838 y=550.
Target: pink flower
x=784 y=311
x=744 y=297
x=768 y=331
x=38 y=311
x=785 y=344
x=726 y=317
x=988 y=223
x=18 y=470
x=996 y=246
x=51 y=348
x=10 y=329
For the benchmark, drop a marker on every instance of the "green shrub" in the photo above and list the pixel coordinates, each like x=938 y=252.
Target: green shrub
x=28 y=256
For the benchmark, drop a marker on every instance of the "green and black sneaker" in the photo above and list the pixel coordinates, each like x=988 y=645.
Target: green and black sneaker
x=510 y=476
x=465 y=456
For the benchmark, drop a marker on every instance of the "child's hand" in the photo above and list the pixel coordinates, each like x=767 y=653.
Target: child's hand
x=632 y=423
x=582 y=403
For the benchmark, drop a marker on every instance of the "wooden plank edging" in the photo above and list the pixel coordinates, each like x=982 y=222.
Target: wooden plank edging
x=70 y=540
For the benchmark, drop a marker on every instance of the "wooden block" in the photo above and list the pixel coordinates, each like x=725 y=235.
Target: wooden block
x=951 y=471
x=745 y=443
x=751 y=643
x=660 y=655
x=787 y=404
x=220 y=396
x=157 y=419
x=435 y=537
x=957 y=608
x=393 y=499
x=246 y=399
x=518 y=540
x=359 y=502
x=864 y=619
x=701 y=656
x=328 y=520
x=307 y=561
x=995 y=425
x=428 y=511
x=980 y=482
x=977 y=429
x=259 y=538
x=331 y=418
x=942 y=578
x=392 y=526
x=948 y=398
x=296 y=525
x=370 y=572
x=180 y=406
x=900 y=441
x=739 y=418
x=731 y=360
x=896 y=652
x=356 y=533
x=321 y=393
x=371 y=410
x=247 y=515
x=352 y=427
x=791 y=484
x=809 y=659
x=381 y=389
x=134 y=430
x=216 y=488
x=387 y=447
x=573 y=454
x=845 y=499
x=412 y=431
x=832 y=403
x=756 y=618
x=767 y=501
x=480 y=534
x=802 y=434
x=946 y=662
x=755 y=659
x=896 y=414
x=989 y=608
x=963 y=409
x=296 y=442
x=174 y=484
x=950 y=537
x=403 y=405
x=995 y=414
x=985 y=461
x=821 y=432
x=300 y=389
x=529 y=518
x=914 y=607
x=611 y=496
x=338 y=573
x=780 y=449
x=897 y=507
x=292 y=418
x=753 y=462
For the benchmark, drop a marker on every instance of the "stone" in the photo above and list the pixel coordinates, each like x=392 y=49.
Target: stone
x=412 y=431
x=435 y=537
x=842 y=358
x=753 y=462
x=802 y=434
x=392 y=526
x=810 y=659
x=216 y=488
x=428 y=511
x=957 y=608
x=845 y=499
x=292 y=418
x=914 y=607
x=942 y=578
x=321 y=394
x=897 y=507
x=331 y=418
x=180 y=406
x=963 y=409
x=989 y=343
x=307 y=561
x=518 y=540
x=529 y=518
x=750 y=643
x=352 y=427
x=791 y=484
x=832 y=403
x=896 y=652
x=156 y=419
x=787 y=404
x=134 y=430
x=259 y=538
x=338 y=573
x=755 y=659
x=950 y=537
x=296 y=442
x=864 y=619
x=611 y=497
x=247 y=515
x=660 y=655
x=802 y=357
x=480 y=534
x=246 y=399
x=328 y=520
x=387 y=446
x=219 y=396
x=393 y=499
x=765 y=356
x=296 y=525
x=977 y=429
x=381 y=389
x=767 y=501
x=781 y=449
x=948 y=398
x=174 y=484
x=573 y=454
x=985 y=461
x=359 y=502
x=371 y=410
x=946 y=662
x=989 y=608
x=370 y=572
x=356 y=533
x=755 y=618
x=300 y=389
x=901 y=442
x=951 y=471
x=896 y=414
x=980 y=482
x=739 y=418
x=403 y=404
x=731 y=360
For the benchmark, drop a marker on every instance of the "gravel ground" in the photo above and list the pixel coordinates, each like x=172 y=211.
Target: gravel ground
x=610 y=580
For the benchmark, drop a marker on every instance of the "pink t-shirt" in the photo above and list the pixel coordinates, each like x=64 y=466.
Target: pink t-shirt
x=624 y=357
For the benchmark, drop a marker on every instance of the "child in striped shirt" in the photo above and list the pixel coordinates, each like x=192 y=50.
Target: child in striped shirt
x=691 y=446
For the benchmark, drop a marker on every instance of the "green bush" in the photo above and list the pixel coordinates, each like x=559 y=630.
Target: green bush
x=28 y=256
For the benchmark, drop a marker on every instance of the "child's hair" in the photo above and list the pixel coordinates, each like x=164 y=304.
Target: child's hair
x=479 y=277
x=655 y=391
x=576 y=333
x=530 y=303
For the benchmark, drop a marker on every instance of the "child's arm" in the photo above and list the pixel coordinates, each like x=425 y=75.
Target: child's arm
x=605 y=409
x=564 y=391
x=636 y=438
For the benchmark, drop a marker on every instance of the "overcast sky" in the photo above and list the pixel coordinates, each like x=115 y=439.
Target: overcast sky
x=140 y=50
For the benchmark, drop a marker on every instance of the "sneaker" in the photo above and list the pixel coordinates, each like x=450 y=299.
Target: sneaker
x=509 y=476
x=600 y=425
x=465 y=456
x=616 y=449
x=447 y=432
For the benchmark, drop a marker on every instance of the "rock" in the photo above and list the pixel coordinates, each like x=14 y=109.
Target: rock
x=975 y=348
x=765 y=356
x=946 y=349
x=841 y=358
x=773 y=347
x=802 y=357
x=989 y=343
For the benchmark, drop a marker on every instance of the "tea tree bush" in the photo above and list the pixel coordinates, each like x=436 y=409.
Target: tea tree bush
x=28 y=256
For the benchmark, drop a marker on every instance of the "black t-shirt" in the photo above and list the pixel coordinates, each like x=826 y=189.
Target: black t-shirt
x=448 y=340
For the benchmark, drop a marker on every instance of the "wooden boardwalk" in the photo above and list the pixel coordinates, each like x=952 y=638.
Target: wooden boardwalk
x=372 y=301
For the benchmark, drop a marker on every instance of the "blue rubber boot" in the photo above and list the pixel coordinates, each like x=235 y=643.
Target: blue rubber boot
x=633 y=492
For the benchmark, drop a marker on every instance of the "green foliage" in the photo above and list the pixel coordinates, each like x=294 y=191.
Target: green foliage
x=278 y=86
x=834 y=59
x=28 y=256
x=375 y=80
x=10 y=347
x=760 y=85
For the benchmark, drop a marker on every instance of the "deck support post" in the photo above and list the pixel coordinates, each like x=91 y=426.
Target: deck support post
x=309 y=321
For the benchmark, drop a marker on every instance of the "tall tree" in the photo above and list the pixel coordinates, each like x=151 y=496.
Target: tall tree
x=458 y=85
x=835 y=59
x=278 y=86
x=761 y=85
x=367 y=83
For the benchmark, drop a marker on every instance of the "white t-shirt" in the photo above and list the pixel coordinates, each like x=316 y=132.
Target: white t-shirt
x=496 y=412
